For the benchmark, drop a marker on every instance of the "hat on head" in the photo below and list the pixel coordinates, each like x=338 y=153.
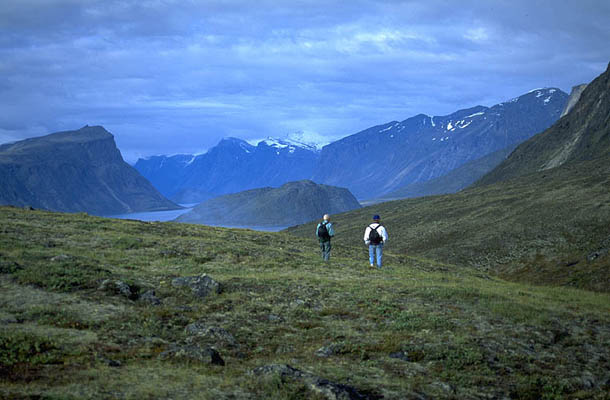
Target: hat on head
x=376 y=217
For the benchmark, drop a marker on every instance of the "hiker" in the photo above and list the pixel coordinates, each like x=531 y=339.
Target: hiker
x=375 y=237
x=324 y=232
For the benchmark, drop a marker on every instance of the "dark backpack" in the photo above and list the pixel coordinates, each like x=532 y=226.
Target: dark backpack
x=323 y=232
x=374 y=236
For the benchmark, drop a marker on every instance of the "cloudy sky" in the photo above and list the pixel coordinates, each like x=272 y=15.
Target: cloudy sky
x=175 y=76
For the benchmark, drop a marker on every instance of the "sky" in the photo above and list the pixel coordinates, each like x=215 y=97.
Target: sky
x=176 y=76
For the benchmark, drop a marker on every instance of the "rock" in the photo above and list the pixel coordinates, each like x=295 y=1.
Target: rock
x=587 y=380
x=401 y=355
x=283 y=370
x=441 y=387
x=119 y=288
x=211 y=332
x=61 y=257
x=9 y=267
x=110 y=362
x=597 y=254
x=330 y=350
x=330 y=390
x=193 y=352
x=6 y=318
x=150 y=297
x=202 y=286
x=275 y=318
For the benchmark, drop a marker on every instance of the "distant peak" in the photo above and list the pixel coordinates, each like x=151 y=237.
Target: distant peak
x=291 y=144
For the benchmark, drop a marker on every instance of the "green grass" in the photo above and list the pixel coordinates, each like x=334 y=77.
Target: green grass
x=465 y=333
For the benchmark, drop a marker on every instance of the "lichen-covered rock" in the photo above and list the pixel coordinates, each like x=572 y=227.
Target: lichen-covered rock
x=119 y=288
x=330 y=350
x=61 y=257
x=215 y=333
x=330 y=390
x=193 y=352
x=401 y=355
x=150 y=297
x=202 y=286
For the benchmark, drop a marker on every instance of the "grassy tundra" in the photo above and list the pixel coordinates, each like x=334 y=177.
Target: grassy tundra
x=78 y=319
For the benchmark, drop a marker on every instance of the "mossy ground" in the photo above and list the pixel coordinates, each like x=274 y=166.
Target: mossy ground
x=460 y=332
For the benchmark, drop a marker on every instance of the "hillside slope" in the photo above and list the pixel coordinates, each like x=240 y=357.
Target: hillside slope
x=75 y=171
x=555 y=221
x=95 y=308
x=582 y=134
x=291 y=204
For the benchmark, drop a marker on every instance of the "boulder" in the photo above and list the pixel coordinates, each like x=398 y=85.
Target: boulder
x=330 y=350
x=119 y=288
x=200 y=329
x=401 y=355
x=193 y=352
x=61 y=257
x=329 y=390
x=202 y=286
x=150 y=297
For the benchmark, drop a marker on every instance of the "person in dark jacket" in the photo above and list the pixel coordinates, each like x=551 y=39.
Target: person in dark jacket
x=325 y=231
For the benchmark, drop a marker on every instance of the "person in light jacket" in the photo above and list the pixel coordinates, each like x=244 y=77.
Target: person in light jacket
x=375 y=236
x=324 y=232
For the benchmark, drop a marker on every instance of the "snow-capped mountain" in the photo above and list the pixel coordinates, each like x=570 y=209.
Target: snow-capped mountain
x=386 y=157
x=231 y=166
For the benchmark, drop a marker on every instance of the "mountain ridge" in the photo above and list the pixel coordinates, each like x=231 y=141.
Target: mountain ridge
x=421 y=148
x=233 y=165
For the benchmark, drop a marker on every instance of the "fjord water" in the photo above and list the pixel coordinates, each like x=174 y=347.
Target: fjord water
x=170 y=215
x=155 y=216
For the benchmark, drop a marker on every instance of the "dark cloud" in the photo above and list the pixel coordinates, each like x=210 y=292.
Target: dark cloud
x=170 y=76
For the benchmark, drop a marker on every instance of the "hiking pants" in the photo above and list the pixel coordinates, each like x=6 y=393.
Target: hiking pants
x=325 y=247
x=376 y=249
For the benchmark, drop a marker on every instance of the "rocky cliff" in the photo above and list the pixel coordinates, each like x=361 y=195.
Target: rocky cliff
x=74 y=171
x=574 y=97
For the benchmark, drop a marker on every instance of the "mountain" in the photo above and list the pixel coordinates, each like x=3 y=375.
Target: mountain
x=582 y=134
x=75 y=171
x=292 y=203
x=383 y=158
x=164 y=171
x=231 y=166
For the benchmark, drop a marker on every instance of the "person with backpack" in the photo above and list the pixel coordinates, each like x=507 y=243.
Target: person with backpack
x=324 y=232
x=375 y=237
